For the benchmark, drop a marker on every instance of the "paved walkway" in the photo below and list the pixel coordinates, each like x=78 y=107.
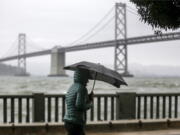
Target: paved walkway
x=159 y=132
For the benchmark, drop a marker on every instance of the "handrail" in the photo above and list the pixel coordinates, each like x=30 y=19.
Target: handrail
x=107 y=106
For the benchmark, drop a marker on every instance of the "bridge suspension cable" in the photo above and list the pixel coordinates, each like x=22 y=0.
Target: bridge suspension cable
x=131 y=8
x=88 y=35
x=93 y=28
x=132 y=11
x=99 y=30
x=12 y=50
x=33 y=45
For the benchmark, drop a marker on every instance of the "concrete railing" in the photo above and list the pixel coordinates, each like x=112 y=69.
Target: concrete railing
x=40 y=107
x=157 y=105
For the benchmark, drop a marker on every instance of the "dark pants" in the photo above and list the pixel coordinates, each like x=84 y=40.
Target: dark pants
x=74 y=129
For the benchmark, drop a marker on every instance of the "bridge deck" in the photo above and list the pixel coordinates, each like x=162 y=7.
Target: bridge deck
x=102 y=44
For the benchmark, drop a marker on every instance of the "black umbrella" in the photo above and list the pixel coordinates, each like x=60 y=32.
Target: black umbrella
x=99 y=72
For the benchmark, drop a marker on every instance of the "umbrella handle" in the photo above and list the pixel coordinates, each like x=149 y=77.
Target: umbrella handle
x=94 y=82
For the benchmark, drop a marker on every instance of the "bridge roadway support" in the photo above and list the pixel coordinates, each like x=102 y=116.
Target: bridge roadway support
x=57 y=63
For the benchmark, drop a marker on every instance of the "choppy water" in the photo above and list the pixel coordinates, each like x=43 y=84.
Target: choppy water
x=28 y=85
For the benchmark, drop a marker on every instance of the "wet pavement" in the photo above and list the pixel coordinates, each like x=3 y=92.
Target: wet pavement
x=157 y=132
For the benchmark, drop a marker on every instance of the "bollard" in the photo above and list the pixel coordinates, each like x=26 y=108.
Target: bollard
x=38 y=107
x=126 y=106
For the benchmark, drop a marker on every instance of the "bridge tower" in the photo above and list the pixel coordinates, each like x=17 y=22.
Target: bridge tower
x=22 y=51
x=121 y=51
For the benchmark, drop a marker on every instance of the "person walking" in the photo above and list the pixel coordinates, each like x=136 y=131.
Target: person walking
x=78 y=102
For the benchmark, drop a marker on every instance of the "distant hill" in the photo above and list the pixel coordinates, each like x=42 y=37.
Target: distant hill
x=8 y=69
x=154 y=70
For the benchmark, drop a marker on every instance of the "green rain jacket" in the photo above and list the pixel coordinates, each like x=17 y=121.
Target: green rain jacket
x=77 y=99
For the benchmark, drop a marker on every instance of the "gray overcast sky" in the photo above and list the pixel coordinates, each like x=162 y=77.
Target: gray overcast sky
x=58 y=22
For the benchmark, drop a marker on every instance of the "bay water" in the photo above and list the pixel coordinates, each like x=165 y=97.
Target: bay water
x=59 y=85
x=55 y=85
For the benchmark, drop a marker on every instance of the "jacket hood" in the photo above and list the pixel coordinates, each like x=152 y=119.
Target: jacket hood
x=81 y=76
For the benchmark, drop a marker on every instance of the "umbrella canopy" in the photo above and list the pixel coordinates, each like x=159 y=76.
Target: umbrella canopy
x=99 y=72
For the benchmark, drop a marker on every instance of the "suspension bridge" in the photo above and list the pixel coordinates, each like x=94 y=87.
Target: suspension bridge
x=120 y=43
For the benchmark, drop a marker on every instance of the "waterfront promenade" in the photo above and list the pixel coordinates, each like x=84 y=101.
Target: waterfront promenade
x=117 y=127
x=158 y=132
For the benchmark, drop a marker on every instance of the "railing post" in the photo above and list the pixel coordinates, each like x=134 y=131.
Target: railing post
x=38 y=107
x=126 y=106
